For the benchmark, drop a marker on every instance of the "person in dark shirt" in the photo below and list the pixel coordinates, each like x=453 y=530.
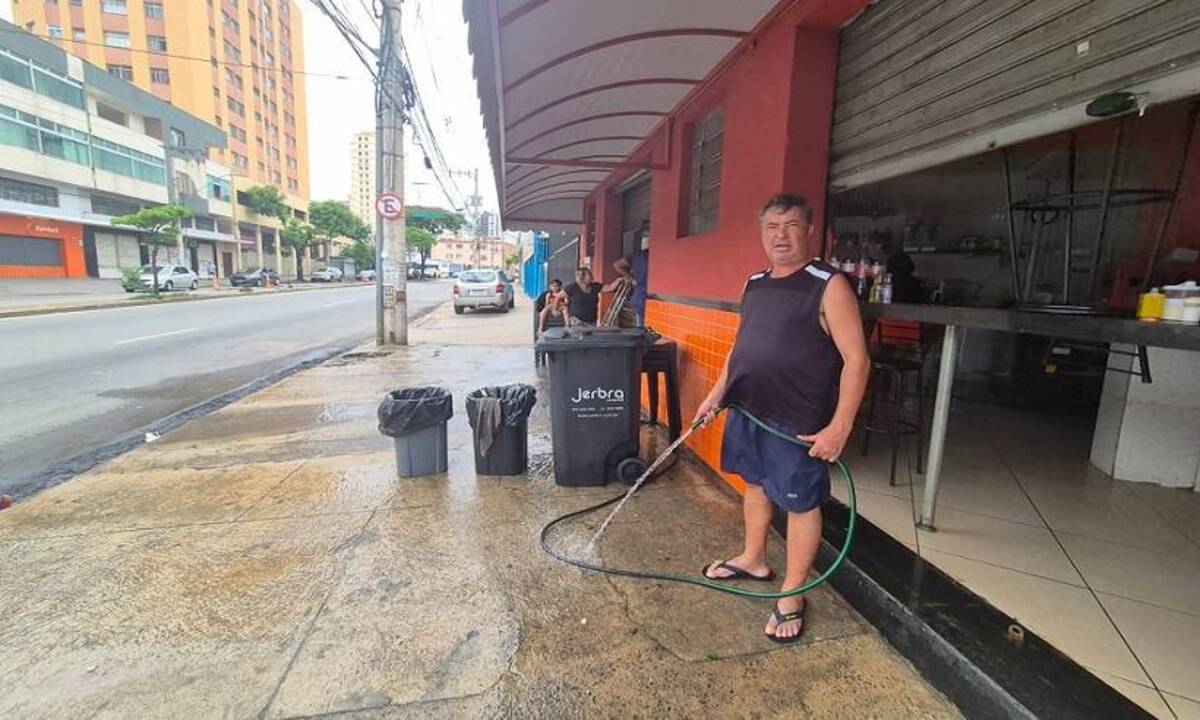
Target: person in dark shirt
x=800 y=364
x=583 y=299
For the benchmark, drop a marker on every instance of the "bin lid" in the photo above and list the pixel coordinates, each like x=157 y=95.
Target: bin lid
x=580 y=338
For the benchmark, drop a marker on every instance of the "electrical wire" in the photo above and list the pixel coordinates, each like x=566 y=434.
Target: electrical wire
x=405 y=98
x=196 y=58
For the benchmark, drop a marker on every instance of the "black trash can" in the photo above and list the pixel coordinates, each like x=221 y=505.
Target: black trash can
x=499 y=418
x=415 y=419
x=595 y=376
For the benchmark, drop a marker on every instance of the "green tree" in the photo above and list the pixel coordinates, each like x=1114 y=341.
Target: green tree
x=363 y=253
x=332 y=219
x=297 y=235
x=160 y=226
x=268 y=201
x=421 y=240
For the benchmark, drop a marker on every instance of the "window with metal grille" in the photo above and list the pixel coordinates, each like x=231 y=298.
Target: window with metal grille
x=115 y=7
x=159 y=75
x=154 y=10
x=29 y=193
x=125 y=72
x=156 y=43
x=704 y=189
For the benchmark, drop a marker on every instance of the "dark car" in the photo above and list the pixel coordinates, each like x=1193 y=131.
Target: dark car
x=254 y=276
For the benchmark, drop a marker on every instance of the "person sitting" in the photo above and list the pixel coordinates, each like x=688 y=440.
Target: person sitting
x=583 y=299
x=620 y=312
x=550 y=304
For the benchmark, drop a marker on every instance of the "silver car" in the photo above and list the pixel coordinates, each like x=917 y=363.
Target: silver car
x=171 y=277
x=327 y=274
x=483 y=288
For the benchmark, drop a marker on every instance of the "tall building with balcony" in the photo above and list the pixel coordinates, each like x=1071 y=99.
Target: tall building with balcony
x=79 y=146
x=362 y=177
x=238 y=64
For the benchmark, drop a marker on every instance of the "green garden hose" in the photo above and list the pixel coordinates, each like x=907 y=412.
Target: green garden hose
x=700 y=580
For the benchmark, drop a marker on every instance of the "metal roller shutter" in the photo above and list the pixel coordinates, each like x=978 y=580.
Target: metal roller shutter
x=923 y=82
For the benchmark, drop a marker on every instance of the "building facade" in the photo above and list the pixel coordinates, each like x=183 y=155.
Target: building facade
x=237 y=65
x=362 y=177
x=467 y=252
x=1014 y=164
x=79 y=146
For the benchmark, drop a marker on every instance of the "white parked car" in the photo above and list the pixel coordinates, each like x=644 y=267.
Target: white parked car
x=171 y=277
x=482 y=288
x=327 y=274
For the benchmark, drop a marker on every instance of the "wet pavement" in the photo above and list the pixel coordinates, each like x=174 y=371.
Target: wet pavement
x=265 y=561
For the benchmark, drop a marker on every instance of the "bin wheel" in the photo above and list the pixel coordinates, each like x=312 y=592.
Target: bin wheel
x=630 y=469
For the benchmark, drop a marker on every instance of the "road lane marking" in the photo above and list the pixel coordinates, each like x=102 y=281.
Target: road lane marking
x=152 y=337
x=115 y=308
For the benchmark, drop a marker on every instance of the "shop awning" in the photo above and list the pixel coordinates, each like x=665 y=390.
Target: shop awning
x=570 y=87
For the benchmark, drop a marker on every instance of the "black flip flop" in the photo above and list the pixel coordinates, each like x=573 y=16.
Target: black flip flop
x=781 y=618
x=738 y=573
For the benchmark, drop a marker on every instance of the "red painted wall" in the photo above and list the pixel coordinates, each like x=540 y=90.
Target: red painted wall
x=777 y=96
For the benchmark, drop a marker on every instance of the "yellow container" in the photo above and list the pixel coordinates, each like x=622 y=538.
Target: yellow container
x=1151 y=305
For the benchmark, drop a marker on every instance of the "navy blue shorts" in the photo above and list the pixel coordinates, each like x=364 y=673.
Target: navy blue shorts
x=791 y=478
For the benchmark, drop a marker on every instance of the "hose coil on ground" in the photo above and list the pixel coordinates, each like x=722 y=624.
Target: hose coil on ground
x=702 y=581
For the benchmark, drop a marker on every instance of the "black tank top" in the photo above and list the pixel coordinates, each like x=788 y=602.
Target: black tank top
x=784 y=366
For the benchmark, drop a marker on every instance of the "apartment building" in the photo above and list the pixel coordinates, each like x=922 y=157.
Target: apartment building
x=362 y=177
x=79 y=146
x=238 y=64
x=463 y=252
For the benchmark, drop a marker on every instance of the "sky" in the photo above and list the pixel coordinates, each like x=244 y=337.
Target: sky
x=436 y=37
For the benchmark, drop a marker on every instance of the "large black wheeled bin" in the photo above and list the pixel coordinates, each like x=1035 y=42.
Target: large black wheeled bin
x=499 y=418
x=595 y=401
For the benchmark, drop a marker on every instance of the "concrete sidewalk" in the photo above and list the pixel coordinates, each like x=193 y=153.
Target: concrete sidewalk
x=265 y=561
x=20 y=298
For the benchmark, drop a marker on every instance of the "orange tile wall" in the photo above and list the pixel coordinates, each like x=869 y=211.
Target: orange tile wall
x=705 y=337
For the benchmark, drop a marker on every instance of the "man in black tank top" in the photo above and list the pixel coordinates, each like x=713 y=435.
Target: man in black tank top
x=800 y=364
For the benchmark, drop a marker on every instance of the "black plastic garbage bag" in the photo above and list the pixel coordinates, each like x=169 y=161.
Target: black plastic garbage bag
x=490 y=407
x=408 y=410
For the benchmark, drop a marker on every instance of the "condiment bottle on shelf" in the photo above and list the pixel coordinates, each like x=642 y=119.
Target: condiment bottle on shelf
x=1150 y=305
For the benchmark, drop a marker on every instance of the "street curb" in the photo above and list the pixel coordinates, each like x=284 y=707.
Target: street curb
x=65 y=470
x=56 y=310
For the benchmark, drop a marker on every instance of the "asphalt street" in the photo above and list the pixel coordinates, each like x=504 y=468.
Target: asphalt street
x=70 y=382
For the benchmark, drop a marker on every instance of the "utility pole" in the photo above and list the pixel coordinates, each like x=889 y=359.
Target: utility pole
x=475 y=203
x=391 y=253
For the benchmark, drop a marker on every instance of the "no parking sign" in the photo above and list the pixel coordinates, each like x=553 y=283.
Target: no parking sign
x=389 y=206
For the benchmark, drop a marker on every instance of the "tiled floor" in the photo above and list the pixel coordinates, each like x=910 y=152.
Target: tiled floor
x=1107 y=571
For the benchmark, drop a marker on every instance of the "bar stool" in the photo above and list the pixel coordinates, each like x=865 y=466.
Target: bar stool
x=898 y=352
x=661 y=357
